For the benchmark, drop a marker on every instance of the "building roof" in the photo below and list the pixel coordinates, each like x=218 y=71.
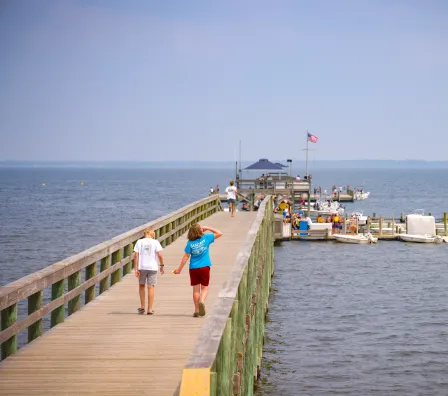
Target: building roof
x=264 y=164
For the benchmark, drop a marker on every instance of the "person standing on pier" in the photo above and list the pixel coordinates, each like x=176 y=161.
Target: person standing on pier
x=231 y=197
x=198 y=251
x=148 y=255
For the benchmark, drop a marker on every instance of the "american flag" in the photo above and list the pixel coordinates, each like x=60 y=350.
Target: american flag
x=312 y=138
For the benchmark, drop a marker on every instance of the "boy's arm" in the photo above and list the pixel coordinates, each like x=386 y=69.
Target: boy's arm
x=216 y=233
x=160 y=256
x=137 y=272
x=182 y=263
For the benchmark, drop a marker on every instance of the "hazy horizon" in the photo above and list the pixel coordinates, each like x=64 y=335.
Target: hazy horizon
x=114 y=80
x=296 y=164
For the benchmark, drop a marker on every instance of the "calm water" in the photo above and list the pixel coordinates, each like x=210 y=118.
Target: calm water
x=357 y=320
x=352 y=320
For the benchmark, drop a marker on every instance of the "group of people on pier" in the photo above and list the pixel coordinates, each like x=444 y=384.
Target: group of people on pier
x=214 y=190
x=334 y=191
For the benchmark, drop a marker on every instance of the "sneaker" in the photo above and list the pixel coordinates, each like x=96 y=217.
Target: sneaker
x=196 y=315
x=201 y=309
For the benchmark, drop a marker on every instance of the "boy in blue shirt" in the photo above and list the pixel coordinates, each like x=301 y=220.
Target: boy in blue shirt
x=197 y=250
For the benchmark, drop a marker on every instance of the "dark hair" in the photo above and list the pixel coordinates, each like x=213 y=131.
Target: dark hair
x=195 y=232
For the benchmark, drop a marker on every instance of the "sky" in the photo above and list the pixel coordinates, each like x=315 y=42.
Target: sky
x=187 y=80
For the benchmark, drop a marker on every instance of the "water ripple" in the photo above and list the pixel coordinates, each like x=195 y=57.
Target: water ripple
x=371 y=322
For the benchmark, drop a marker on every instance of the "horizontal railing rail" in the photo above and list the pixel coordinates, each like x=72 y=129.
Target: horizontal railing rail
x=227 y=355
x=116 y=257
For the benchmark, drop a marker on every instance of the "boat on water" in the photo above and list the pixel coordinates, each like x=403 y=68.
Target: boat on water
x=360 y=195
x=327 y=208
x=357 y=238
x=420 y=229
x=421 y=238
x=358 y=214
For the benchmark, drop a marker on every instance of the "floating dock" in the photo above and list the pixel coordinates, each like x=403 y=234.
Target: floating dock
x=383 y=228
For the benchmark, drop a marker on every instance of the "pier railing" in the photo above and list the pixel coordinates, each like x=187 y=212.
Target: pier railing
x=386 y=226
x=227 y=357
x=114 y=259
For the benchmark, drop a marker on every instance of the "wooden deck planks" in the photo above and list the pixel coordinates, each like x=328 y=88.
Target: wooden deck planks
x=107 y=348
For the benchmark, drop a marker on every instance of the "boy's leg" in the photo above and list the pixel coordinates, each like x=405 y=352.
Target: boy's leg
x=204 y=293
x=150 y=297
x=141 y=290
x=141 y=287
x=196 y=296
x=152 y=282
x=205 y=280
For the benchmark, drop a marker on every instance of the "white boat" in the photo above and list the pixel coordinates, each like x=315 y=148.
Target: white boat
x=357 y=238
x=358 y=214
x=420 y=229
x=421 y=238
x=359 y=195
x=327 y=208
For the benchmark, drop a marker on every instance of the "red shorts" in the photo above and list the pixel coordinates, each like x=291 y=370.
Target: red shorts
x=200 y=276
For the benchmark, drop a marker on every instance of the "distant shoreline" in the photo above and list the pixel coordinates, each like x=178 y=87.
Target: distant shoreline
x=325 y=164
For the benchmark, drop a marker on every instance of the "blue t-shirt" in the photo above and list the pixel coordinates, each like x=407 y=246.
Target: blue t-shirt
x=199 y=251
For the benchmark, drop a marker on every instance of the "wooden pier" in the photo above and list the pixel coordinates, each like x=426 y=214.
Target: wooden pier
x=106 y=348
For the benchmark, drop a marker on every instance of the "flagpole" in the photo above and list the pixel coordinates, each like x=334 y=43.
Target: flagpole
x=308 y=179
x=306 y=170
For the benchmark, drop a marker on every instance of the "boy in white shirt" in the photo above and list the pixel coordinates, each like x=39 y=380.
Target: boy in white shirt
x=231 y=197
x=148 y=255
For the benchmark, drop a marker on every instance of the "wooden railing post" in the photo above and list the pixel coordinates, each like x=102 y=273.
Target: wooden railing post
x=223 y=362
x=159 y=234
x=128 y=249
x=34 y=304
x=104 y=283
x=381 y=226
x=116 y=275
x=74 y=280
x=393 y=225
x=445 y=223
x=9 y=317
x=90 y=292
x=57 y=290
x=169 y=228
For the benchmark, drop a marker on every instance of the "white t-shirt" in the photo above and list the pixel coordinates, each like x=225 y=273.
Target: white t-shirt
x=231 y=192
x=147 y=249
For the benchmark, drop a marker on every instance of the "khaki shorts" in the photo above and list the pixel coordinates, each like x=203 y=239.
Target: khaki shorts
x=148 y=277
